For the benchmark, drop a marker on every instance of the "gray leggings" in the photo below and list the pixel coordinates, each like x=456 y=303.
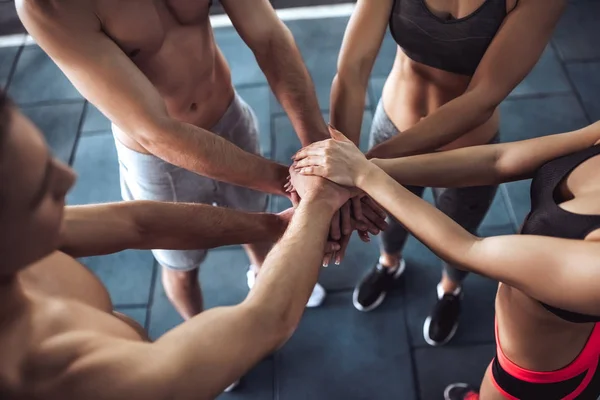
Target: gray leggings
x=467 y=206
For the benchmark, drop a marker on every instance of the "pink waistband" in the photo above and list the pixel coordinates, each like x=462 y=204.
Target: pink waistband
x=586 y=360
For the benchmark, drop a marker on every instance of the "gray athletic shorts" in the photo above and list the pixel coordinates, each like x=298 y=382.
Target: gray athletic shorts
x=147 y=177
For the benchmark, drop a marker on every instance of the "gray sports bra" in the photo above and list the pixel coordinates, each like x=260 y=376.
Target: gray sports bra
x=453 y=45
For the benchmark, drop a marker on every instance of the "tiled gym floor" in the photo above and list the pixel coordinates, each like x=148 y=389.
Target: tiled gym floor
x=337 y=352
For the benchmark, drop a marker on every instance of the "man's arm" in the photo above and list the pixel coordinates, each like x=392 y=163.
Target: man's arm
x=201 y=357
x=510 y=57
x=72 y=36
x=278 y=57
x=361 y=44
x=98 y=229
x=487 y=164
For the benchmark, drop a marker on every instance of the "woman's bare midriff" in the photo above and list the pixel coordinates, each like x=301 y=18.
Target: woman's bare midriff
x=413 y=91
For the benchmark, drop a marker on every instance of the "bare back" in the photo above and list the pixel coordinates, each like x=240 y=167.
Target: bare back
x=65 y=308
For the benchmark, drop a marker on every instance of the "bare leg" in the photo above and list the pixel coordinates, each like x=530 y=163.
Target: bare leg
x=390 y=260
x=448 y=285
x=257 y=252
x=183 y=289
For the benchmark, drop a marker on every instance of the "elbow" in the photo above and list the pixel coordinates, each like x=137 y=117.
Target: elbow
x=151 y=135
x=278 y=323
x=484 y=102
x=351 y=77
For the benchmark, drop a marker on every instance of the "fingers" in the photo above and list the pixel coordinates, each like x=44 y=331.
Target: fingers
x=339 y=256
x=331 y=247
x=335 y=232
x=327 y=259
x=364 y=236
x=315 y=149
x=346 y=219
x=374 y=206
x=374 y=221
x=357 y=209
x=314 y=170
x=309 y=161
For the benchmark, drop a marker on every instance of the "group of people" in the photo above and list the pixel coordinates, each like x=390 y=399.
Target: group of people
x=192 y=179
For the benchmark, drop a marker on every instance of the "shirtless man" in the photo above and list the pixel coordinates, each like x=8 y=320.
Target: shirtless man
x=181 y=132
x=60 y=339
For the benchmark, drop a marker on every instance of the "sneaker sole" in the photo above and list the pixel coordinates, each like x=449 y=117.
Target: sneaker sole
x=430 y=341
x=450 y=387
x=376 y=303
x=232 y=387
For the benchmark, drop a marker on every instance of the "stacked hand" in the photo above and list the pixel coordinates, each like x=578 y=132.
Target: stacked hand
x=339 y=161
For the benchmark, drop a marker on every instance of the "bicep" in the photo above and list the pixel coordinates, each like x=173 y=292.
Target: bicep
x=564 y=273
x=516 y=48
x=96 y=66
x=520 y=160
x=255 y=20
x=364 y=35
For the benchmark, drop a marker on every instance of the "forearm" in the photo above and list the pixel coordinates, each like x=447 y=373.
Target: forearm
x=110 y=228
x=180 y=226
x=471 y=166
x=211 y=350
x=291 y=269
x=435 y=229
x=291 y=83
x=347 y=105
x=207 y=154
x=438 y=129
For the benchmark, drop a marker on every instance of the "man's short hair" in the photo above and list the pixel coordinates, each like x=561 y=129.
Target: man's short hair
x=5 y=106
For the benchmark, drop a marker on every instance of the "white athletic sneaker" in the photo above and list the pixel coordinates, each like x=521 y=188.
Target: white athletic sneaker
x=316 y=297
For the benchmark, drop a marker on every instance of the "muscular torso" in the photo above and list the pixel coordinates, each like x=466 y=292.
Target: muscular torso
x=63 y=300
x=414 y=90
x=528 y=332
x=172 y=43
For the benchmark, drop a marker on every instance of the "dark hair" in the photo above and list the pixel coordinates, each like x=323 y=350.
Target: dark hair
x=5 y=106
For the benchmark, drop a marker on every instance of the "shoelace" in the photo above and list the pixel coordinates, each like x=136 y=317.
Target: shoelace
x=471 y=396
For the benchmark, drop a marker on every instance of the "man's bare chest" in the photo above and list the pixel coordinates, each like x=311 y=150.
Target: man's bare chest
x=140 y=27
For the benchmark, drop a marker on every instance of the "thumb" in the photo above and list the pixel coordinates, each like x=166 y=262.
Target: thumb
x=337 y=135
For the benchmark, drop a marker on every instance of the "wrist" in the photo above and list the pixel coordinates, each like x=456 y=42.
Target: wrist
x=366 y=175
x=314 y=200
x=278 y=179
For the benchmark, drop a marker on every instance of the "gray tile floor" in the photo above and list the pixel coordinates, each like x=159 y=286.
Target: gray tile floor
x=337 y=352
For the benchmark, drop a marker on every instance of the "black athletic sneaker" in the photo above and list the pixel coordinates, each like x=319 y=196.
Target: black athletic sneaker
x=440 y=326
x=371 y=290
x=460 y=391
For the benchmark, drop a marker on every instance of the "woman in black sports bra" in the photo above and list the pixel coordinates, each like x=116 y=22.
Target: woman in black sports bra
x=456 y=61
x=548 y=300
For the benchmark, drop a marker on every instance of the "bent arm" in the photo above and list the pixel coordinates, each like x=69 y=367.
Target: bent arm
x=523 y=35
x=201 y=357
x=561 y=272
x=73 y=37
x=362 y=41
x=99 y=229
x=487 y=164
x=278 y=57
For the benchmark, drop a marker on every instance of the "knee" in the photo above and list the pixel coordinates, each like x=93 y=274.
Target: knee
x=179 y=281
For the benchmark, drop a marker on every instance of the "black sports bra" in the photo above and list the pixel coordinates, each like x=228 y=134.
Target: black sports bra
x=453 y=45
x=547 y=218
